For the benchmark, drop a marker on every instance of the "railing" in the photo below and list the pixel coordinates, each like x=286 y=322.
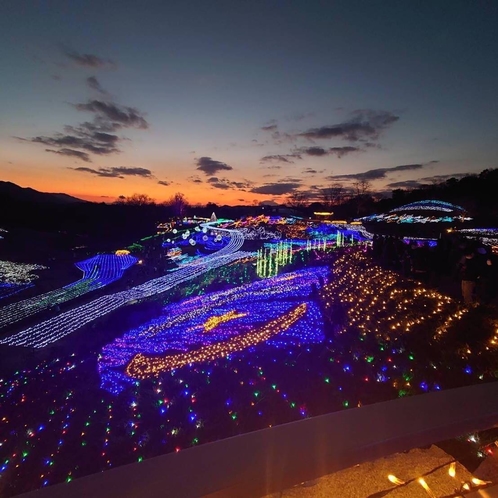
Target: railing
x=261 y=462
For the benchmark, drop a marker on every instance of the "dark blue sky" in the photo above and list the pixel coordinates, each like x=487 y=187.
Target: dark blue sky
x=110 y=98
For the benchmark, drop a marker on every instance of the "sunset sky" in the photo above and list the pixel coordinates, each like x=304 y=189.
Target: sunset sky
x=245 y=100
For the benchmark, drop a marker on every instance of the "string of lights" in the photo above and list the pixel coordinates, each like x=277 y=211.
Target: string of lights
x=60 y=421
x=98 y=271
x=55 y=328
x=142 y=366
x=236 y=313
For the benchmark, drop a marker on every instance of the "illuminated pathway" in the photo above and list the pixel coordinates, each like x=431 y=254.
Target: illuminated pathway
x=49 y=331
x=98 y=272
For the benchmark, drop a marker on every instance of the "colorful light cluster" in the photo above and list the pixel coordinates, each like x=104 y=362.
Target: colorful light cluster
x=275 y=227
x=142 y=367
x=16 y=277
x=269 y=220
x=488 y=236
x=98 y=272
x=53 y=329
x=344 y=232
x=251 y=307
x=411 y=218
x=58 y=424
x=430 y=205
x=454 y=213
x=270 y=259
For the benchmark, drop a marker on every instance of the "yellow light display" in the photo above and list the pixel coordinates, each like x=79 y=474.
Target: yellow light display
x=395 y=480
x=213 y=321
x=122 y=252
x=379 y=300
x=142 y=367
x=428 y=490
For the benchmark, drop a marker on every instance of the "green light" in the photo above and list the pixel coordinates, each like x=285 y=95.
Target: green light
x=140 y=458
x=69 y=479
x=327 y=380
x=411 y=357
x=293 y=405
x=370 y=359
x=402 y=393
x=25 y=454
x=407 y=376
x=345 y=404
x=234 y=416
x=256 y=393
x=195 y=440
x=274 y=386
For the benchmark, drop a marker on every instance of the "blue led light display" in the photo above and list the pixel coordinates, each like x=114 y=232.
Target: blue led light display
x=216 y=317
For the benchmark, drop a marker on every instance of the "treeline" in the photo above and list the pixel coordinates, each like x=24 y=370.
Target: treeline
x=100 y=225
x=478 y=194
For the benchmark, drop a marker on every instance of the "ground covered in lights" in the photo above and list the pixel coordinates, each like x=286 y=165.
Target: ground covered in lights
x=237 y=354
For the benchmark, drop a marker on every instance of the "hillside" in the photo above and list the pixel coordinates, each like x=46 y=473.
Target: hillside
x=14 y=193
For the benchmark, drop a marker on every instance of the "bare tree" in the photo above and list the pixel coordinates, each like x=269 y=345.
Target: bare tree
x=332 y=195
x=178 y=204
x=136 y=200
x=362 y=187
x=297 y=200
x=362 y=194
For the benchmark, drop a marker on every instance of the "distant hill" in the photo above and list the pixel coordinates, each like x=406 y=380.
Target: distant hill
x=11 y=192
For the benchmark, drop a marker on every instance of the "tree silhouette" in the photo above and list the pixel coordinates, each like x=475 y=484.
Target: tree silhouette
x=178 y=204
x=136 y=200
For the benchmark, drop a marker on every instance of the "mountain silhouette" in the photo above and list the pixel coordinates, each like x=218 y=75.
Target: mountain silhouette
x=14 y=193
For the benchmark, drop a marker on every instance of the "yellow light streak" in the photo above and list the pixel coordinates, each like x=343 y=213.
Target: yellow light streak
x=395 y=480
x=142 y=367
x=213 y=321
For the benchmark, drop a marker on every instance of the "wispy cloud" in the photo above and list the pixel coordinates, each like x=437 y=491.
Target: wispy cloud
x=86 y=60
x=443 y=178
x=321 y=151
x=164 y=182
x=93 y=83
x=407 y=184
x=210 y=167
x=114 y=115
x=93 y=137
x=426 y=181
x=225 y=184
x=276 y=188
x=375 y=174
x=117 y=172
x=364 y=124
x=282 y=158
x=72 y=153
